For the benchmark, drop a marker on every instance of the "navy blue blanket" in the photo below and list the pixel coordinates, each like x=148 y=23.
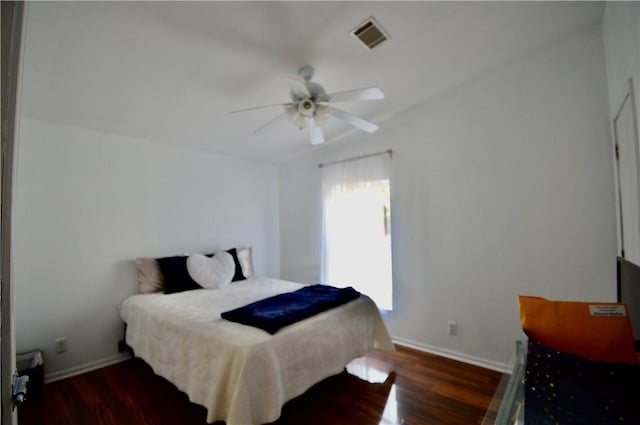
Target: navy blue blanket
x=279 y=311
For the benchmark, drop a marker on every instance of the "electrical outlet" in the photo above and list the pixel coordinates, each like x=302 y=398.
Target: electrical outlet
x=453 y=328
x=61 y=345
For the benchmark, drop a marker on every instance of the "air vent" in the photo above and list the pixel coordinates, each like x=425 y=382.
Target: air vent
x=370 y=33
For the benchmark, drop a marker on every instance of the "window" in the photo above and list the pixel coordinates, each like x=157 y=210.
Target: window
x=357 y=227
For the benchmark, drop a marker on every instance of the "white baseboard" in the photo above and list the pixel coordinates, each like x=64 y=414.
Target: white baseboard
x=477 y=361
x=87 y=367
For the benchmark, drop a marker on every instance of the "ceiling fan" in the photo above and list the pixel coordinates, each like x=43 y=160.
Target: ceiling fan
x=311 y=106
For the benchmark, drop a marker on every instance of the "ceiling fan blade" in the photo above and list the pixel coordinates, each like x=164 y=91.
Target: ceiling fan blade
x=368 y=93
x=271 y=122
x=260 y=107
x=354 y=120
x=297 y=87
x=315 y=132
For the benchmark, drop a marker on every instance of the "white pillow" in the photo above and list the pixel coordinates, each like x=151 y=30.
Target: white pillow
x=211 y=272
x=246 y=261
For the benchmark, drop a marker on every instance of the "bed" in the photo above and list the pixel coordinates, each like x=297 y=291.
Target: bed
x=243 y=375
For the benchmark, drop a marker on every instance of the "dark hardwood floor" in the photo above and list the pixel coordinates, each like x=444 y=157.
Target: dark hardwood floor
x=419 y=388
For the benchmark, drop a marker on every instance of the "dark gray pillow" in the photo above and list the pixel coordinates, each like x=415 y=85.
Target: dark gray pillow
x=176 y=276
x=238 y=275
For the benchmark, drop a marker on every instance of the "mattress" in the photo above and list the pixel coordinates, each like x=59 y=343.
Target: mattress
x=241 y=374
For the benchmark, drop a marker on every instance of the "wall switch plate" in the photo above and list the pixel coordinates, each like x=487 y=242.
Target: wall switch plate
x=61 y=345
x=453 y=328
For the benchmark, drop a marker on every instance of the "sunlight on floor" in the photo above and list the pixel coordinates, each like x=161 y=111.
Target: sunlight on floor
x=390 y=414
x=370 y=370
x=377 y=372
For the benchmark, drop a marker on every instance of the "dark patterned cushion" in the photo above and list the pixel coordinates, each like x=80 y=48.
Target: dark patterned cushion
x=562 y=388
x=176 y=276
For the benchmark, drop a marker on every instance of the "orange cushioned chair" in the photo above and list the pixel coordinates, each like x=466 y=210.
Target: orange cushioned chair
x=594 y=330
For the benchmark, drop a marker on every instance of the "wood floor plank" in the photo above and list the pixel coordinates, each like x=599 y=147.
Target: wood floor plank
x=419 y=389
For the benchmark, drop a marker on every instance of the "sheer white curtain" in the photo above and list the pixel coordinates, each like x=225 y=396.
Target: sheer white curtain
x=356 y=227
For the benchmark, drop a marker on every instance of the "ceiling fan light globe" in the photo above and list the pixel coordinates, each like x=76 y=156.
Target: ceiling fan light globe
x=291 y=111
x=321 y=120
x=306 y=107
x=295 y=117
x=322 y=114
x=324 y=110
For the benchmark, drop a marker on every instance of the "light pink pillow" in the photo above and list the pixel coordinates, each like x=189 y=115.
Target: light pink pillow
x=150 y=277
x=246 y=261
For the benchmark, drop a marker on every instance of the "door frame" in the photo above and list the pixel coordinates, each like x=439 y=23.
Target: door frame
x=628 y=95
x=12 y=36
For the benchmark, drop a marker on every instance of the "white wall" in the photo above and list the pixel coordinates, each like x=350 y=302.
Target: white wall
x=621 y=30
x=87 y=202
x=501 y=187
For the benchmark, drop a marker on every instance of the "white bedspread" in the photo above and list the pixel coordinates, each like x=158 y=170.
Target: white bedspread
x=241 y=374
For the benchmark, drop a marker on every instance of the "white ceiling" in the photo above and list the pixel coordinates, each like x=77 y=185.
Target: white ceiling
x=170 y=72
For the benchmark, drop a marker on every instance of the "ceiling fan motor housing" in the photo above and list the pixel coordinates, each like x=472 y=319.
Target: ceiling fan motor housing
x=315 y=92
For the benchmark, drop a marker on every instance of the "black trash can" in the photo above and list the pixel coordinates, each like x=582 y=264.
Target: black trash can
x=31 y=364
